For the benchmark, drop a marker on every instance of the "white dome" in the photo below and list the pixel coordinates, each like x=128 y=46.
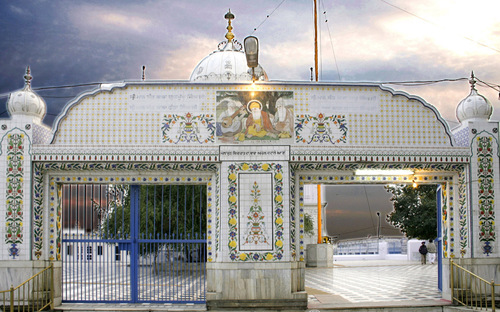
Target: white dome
x=226 y=64
x=474 y=106
x=26 y=101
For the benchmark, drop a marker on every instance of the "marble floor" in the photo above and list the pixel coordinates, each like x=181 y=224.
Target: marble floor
x=368 y=282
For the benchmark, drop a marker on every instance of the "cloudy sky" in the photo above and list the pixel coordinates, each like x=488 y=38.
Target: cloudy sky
x=76 y=42
x=352 y=211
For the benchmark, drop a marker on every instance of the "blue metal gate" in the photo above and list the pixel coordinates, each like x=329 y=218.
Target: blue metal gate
x=133 y=244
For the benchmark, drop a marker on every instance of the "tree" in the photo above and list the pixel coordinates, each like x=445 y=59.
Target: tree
x=167 y=212
x=414 y=210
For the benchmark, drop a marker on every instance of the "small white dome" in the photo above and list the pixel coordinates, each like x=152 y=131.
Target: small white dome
x=26 y=101
x=226 y=64
x=474 y=106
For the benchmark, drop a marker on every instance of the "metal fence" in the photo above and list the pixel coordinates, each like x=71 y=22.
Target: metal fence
x=472 y=291
x=134 y=244
x=35 y=294
x=370 y=246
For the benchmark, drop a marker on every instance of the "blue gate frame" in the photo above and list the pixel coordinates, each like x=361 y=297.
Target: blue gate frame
x=151 y=249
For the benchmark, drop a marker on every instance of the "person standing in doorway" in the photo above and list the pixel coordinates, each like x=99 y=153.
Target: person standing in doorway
x=423 y=253
x=431 y=249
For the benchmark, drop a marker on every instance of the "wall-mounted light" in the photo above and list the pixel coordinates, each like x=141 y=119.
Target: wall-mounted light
x=251 y=44
x=414 y=182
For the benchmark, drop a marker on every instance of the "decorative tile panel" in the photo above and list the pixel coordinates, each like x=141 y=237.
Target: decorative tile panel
x=463 y=214
x=303 y=115
x=41 y=134
x=321 y=129
x=255 y=212
x=486 y=196
x=239 y=176
x=462 y=137
x=14 y=193
x=188 y=129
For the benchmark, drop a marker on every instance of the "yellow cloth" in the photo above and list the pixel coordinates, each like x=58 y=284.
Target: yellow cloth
x=254 y=132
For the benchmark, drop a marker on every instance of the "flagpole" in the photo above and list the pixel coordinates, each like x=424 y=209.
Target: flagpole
x=316 y=39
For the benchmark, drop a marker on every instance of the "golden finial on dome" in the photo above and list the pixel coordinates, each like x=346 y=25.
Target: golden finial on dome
x=229 y=16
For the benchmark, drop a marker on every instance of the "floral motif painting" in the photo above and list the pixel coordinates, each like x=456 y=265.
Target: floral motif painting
x=255 y=212
x=14 y=193
x=486 y=193
x=276 y=200
x=320 y=129
x=188 y=128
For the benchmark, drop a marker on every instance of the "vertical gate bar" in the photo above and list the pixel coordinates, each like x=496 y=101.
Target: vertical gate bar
x=171 y=267
x=193 y=268
x=165 y=246
x=185 y=213
x=147 y=214
x=143 y=235
x=155 y=246
x=116 y=236
x=188 y=244
x=177 y=213
x=82 y=207
x=185 y=244
x=200 y=228
x=169 y=210
x=110 y=235
x=192 y=210
x=177 y=232
x=98 y=235
x=106 y=233
x=111 y=271
x=201 y=246
x=134 y=230
x=65 y=271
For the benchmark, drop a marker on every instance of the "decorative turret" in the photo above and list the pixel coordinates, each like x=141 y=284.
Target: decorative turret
x=474 y=106
x=227 y=63
x=26 y=101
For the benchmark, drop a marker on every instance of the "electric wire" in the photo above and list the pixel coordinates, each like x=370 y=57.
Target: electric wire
x=480 y=82
x=3 y=95
x=439 y=26
x=267 y=16
x=331 y=41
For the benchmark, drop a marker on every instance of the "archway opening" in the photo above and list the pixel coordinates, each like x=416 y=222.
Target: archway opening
x=373 y=260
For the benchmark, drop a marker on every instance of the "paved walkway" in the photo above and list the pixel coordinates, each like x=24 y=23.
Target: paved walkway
x=350 y=284
x=372 y=283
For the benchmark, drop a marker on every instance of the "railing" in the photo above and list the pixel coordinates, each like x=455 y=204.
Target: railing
x=35 y=294
x=470 y=290
x=370 y=246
